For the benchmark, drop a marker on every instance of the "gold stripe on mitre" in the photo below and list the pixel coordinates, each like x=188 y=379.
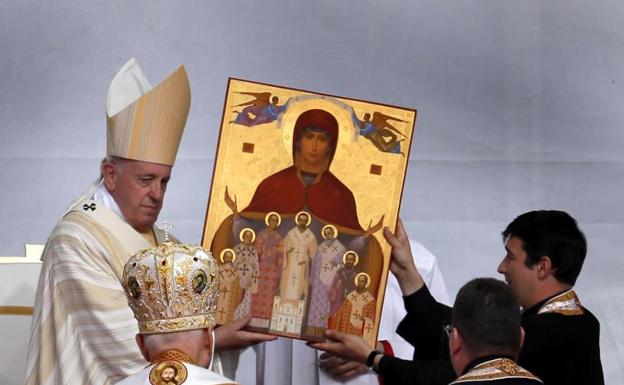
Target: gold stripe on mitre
x=150 y=128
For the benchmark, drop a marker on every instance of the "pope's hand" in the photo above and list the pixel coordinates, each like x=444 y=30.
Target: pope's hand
x=232 y=335
x=402 y=261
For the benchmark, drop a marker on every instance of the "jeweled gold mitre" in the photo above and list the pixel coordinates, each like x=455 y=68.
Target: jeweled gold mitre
x=145 y=123
x=172 y=288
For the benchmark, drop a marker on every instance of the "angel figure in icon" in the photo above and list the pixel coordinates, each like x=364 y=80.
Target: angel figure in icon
x=263 y=108
x=378 y=129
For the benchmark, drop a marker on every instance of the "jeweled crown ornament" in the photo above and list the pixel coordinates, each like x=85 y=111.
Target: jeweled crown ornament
x=172 y=288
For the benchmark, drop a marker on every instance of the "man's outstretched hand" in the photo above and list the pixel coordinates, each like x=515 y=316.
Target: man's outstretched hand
x=347 y=346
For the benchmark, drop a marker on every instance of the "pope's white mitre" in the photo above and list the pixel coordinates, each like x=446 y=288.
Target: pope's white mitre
x=172 y=288
x=145 y=123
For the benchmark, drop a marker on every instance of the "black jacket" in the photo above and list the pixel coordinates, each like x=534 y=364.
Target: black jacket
x=559 y=349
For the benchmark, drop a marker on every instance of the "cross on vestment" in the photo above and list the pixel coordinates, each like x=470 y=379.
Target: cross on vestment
x=326 y=267
x=294 y=279
x=255 y=276
x=369 y=327
x=221 y=312
x=334 y=248
x=86 y=207
x=224 y=292
x=244 y=269
x=357 y=314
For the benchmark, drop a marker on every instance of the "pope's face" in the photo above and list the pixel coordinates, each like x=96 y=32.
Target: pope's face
x=273 y=221
x=328 y=233
x=314 y=147
x=228 y=256
x=521 y=279
x=139 y=189
x=350 y=259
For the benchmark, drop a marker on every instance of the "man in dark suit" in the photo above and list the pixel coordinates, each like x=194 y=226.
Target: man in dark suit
x=485 y=335
x=545 y=254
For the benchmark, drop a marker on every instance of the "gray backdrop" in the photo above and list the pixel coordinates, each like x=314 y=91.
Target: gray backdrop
x=519 y=107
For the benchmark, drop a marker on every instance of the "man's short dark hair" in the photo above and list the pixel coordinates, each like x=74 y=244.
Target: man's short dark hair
x=487 y=316
x=554 y=234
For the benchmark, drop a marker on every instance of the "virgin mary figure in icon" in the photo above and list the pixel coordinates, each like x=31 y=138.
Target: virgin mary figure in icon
x=307 y=185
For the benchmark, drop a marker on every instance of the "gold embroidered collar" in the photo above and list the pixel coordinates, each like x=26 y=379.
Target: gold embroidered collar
x=495 y=369
x=172 y=355
x=566 y=303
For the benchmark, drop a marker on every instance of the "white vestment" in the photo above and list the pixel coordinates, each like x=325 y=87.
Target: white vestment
x=196 y=376
x=83 y=329
x=286 y=361
x=299 y=248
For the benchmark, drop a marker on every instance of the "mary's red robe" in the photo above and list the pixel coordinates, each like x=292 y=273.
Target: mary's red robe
x=327 y=198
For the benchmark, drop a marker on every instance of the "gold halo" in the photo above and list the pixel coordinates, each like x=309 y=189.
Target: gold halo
x=330 y=226
x=306 y=213
x=358 y=275
x=357 y=257
x=253 y=233
x=279 y=218
x=223 y=253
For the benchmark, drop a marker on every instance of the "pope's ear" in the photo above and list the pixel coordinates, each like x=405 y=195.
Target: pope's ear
x=141 y=342
x=109 y=174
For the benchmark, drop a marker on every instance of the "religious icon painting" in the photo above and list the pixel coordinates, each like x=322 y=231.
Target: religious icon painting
x=302 y=186
x=169 y=372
